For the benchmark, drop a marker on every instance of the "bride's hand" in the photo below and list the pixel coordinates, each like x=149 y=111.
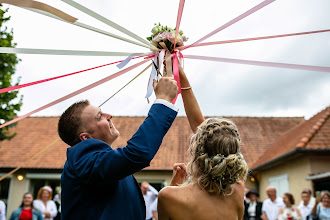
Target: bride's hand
x=179 y=174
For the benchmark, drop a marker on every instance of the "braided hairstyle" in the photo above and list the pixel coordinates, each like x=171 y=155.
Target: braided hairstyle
x=216 y=158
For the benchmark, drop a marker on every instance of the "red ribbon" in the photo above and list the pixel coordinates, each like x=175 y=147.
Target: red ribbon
x=75 y=93
x=8 y=89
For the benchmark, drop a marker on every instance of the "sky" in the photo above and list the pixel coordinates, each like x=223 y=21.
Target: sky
x=222 y=89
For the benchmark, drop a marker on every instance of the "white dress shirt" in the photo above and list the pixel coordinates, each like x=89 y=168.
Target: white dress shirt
x=149 y=198
x=50 y=207
x=252 y=208
x=311 y=202
x=2 y=210
x=271 y=208
x=305 y=211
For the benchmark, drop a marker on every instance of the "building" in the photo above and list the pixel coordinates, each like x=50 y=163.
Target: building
x=41 y=156
x=299 y=159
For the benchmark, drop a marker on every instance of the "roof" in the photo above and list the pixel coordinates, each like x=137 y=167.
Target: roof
x=36 y=133
x=318 y=176
x=311 y=135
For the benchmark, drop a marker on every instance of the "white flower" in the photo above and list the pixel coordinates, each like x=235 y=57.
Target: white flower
x=155 y=30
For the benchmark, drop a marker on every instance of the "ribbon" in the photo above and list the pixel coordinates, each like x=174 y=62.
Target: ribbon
x=253 y=38
x=129 y=58
x=158 y=58
x=65 y=52
x=8 y=89
x=153 y=74
x=75 y=93
x=245 y=14
x=108 y=22
x=261 y=63
x=42 y=7
x=126 y=84
x=50 y=13
x=178 y=20
x=176 y=75
x=168 y=61
x=161 y=60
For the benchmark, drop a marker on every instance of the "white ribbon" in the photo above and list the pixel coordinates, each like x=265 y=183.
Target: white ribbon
x=108 y=22
x=153 y=74
x=62 y=52
x=262 y=63
x=128 y=59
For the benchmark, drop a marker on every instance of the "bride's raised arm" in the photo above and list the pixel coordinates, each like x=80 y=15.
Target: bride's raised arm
x=191 y=106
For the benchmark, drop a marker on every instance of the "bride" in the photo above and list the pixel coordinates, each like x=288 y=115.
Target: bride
x=217 y=170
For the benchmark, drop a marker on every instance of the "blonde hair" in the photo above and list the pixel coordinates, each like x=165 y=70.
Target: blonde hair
x=216 y=159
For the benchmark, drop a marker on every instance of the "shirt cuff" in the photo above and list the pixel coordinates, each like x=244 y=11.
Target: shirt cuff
x=166 y=103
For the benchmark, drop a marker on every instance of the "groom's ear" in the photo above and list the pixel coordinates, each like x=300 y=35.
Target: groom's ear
x=84 y=136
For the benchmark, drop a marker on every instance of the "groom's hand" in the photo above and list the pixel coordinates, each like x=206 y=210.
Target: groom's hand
x=166 y=89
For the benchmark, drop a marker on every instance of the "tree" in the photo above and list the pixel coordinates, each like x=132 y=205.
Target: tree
x=10 y=103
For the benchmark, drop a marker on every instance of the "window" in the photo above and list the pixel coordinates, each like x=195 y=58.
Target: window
x=281 y=183
x=4 y=189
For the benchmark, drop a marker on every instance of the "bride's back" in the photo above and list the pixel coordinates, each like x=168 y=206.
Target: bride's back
x=192 y=203
x=215 y=189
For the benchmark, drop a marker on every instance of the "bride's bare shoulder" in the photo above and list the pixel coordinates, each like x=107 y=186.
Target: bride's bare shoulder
x=169 y=191
x=173 y=193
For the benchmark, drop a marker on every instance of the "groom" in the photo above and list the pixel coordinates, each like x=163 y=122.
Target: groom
x=97 y=181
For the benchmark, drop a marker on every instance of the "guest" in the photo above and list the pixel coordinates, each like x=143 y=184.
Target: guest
x=272 y=205
x=149 y=194
x=26 y=211
x=306 y=206
x=217 y=170
x=154 y=209
x=246 y=199
x=253 y=208
x=45 y=203
x=58 y=205
x=309 y=197
x=2 y=210
x=289 y=212
x=322 y=211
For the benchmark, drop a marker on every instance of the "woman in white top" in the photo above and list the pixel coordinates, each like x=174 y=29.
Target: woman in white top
x=289 y=212
x=45 y=203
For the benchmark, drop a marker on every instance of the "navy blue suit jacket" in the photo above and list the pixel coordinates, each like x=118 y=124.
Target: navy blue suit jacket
x=97 y=181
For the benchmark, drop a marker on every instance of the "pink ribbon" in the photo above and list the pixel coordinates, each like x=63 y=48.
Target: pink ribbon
x=178 y=20
x=245 y=14
x=261 y=63
x=176 y=74
x=76 y=93
x=251 y=39
x=8 y=89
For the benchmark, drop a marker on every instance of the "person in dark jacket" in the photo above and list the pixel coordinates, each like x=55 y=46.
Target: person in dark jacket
x=253 y=208
x=97 y=181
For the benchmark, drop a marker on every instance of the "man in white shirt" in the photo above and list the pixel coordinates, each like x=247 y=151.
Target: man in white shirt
x=149 y=194
x=272 y=205
x=2 y=210
x=154 y=209
x=307 y=203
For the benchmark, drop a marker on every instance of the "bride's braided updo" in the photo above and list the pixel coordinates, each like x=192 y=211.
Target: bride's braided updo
x=216 y=159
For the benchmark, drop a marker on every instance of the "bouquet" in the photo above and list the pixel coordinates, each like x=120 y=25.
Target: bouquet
x=166 y=35
x=163 y=38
